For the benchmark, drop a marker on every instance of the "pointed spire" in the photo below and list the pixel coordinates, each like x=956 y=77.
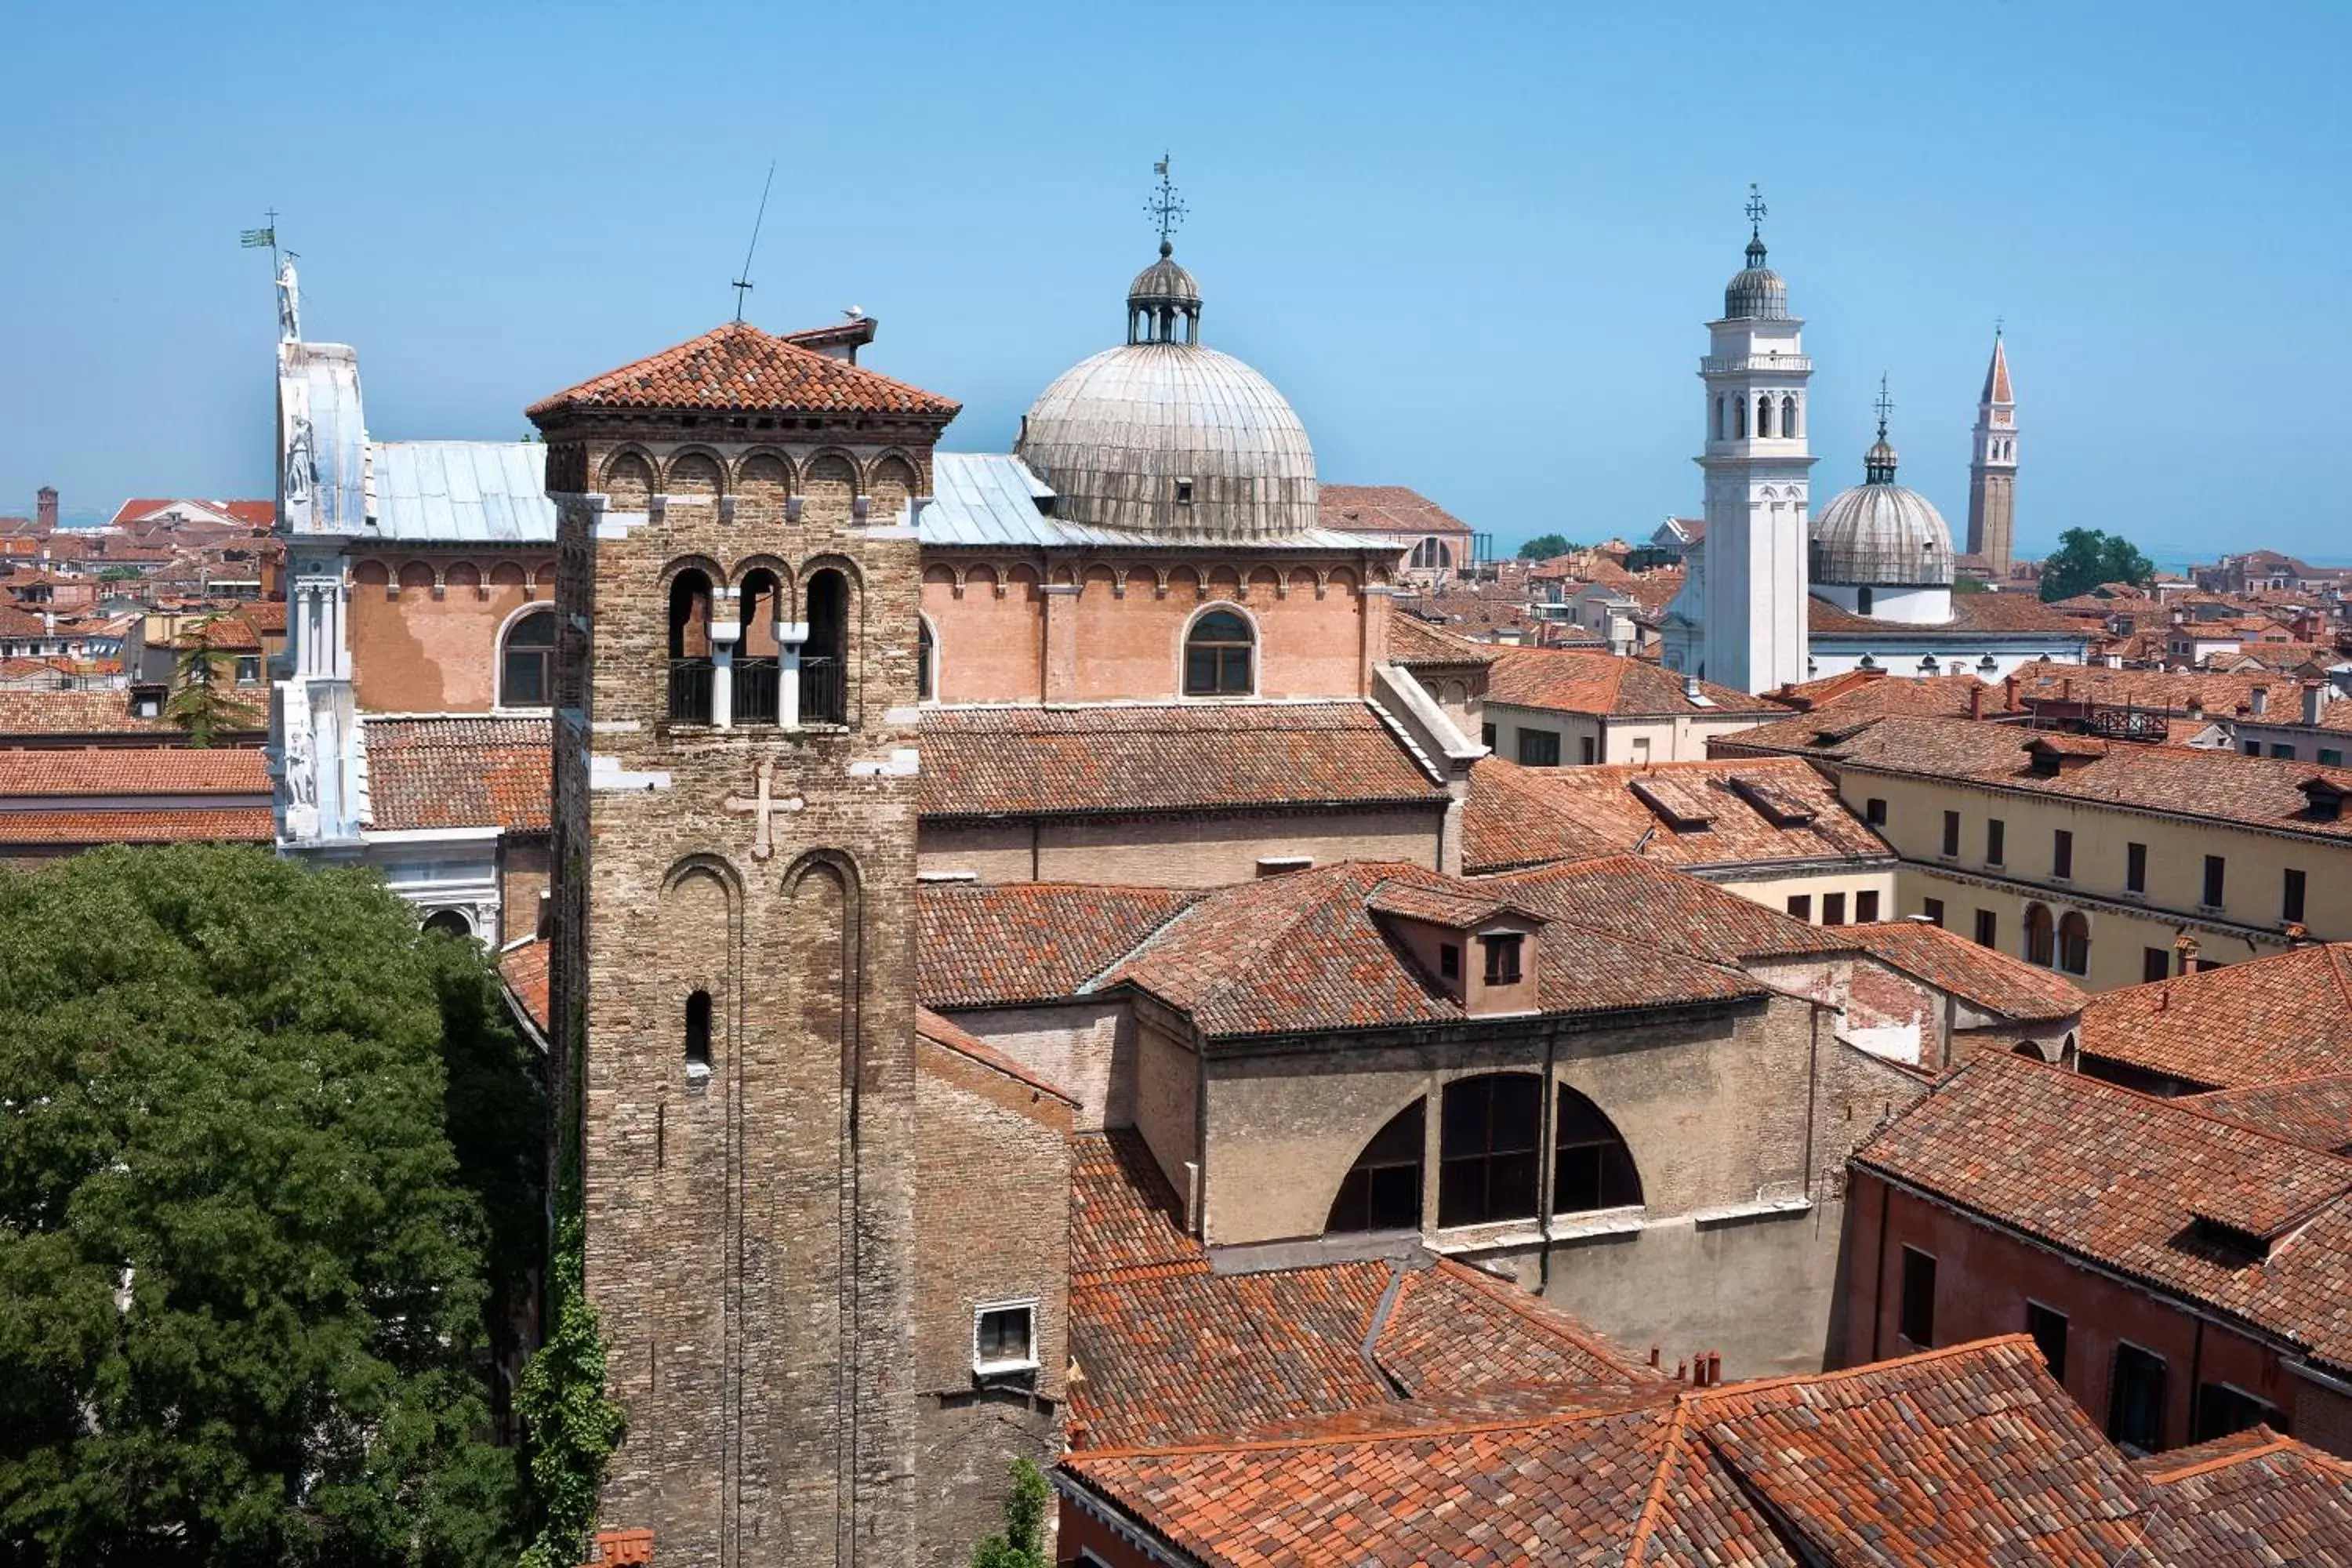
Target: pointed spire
x=1878 y=463
x=1996 y=386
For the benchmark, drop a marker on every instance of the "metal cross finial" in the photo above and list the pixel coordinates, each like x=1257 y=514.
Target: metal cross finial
x=1997 y=322
x=1164 y=206
x=1756 y=212
x=1886 y=406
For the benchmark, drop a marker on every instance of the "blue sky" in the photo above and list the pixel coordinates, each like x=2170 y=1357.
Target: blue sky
x=1474 y=244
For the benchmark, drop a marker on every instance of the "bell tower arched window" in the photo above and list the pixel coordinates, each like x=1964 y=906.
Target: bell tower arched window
x=1788 y=416
x=689 y=648
x=825 y=658
x=1218 y=654
x=698 y=1031
x=527 y=661
x=758 y=656
x=1739 y=419
x=1764 y=415
x=927 y=663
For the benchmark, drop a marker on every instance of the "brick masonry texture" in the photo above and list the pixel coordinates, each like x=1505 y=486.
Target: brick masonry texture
x=749 y=1232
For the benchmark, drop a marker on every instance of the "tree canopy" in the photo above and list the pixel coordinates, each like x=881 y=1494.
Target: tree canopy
x=1544 y=546
x=2086 y=557
x=201 y=703
x=257 y=1137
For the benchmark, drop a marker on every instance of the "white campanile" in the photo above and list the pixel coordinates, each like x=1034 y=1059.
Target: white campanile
x=1756 y=462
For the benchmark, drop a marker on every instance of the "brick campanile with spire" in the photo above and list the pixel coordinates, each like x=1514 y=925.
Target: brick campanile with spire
x=732 y=964
x=1992 y=469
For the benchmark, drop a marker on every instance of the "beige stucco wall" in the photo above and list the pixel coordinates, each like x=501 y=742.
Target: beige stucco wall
x=1678 y=738
x=1174 y=851
x=1085 y=1048
x=1167 y=1103
x=1775 y=891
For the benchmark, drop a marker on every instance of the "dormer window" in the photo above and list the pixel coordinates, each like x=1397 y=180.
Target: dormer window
x=1502 y=957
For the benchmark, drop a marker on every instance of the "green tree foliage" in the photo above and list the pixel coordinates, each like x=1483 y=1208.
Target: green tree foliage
x=256 y=1136
x=572 y=1424
x=202 y=703
x=2087 y=557
x=1544 y=546
x=1022 y=1543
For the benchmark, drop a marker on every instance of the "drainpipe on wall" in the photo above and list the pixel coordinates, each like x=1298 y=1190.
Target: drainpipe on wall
x=1549 y=1136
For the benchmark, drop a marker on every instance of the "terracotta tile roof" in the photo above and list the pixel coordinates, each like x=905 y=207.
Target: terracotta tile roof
x=1658 y=909
x=1954 y=1458
x=459 y=772
x=244 y=824
x=1578 y=680
x=1305 y=951
x=1417 y=643
x=1653 y=590
x=1123 y=1214
x=72 y=713
x=1383 y=508
x=1117 y=760
x=253 y=513
x=1755 y=811
x=2316 y=1113
x=2172 y=691
x=1994 y=981
x=945 y=1035
x=1029 y=942
x=2255 y=1498
x=133 y=771
x=523 y=967
x=2288 y=1016
x=2124 y=1179
x=1972 y=614
x=737 y=366
x=2257 y=792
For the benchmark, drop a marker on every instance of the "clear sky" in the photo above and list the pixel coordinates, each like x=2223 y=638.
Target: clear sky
x=1474 y=244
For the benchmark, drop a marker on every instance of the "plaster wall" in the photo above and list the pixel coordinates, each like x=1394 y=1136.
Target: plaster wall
x=418 y=650
x=1087 y=1048
x=1176 y=850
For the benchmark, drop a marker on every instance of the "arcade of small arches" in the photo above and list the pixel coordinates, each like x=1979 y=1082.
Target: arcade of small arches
x=2061 y=943
x=2002 y=451
x=767 y=645
x=1781 y=418
x=1502 y=1150
x=438 y=578
x=835 y=481
x=1216 y=581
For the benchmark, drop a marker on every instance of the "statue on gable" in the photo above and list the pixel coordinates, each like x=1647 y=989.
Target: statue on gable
x=290 y=303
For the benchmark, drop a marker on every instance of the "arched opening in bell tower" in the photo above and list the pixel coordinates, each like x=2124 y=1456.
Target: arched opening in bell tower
x=825 y=658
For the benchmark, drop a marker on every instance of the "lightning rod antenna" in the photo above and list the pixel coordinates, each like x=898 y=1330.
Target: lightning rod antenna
x=744 y=284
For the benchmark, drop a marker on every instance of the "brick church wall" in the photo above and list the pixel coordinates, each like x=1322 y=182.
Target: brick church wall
x=424 y=628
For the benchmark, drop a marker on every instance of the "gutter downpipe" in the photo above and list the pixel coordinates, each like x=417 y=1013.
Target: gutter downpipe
x=1549 y=1153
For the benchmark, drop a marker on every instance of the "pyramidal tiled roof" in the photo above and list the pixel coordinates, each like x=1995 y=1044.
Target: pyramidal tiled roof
x=737 y=366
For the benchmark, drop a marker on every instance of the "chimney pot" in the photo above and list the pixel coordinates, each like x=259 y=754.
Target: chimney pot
x=1714 y=1368
x=1976 y=701
x=1654 y=1355
x=2009 y=694
x=1679 y=1372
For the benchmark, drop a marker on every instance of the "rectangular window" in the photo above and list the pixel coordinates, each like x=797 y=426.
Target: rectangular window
x=2253 y=748
x=2155 y=964
x=2330 y=757
x=1539 y=749
x=2213 y=870
x=1488 y=1144
x=1919 y=1307
x=1487 y=736
x=1502 y=959
x=2291 y=901
x=1874 y=812
x=1866 y=907
x=2135 y=868
x=248 y=670
x=2062 y=854
x=2280 y=748
x=1996 y=836
x=1988 y=928
x=1449 y=960
x=2136 y=1400
x=1801 y=906
x=1588 y=749
x=1002 y=1339
x=1832 y=909
x=2221 y=1410
x=2048 y=1327
x=1934 y=909
x=1951 y=833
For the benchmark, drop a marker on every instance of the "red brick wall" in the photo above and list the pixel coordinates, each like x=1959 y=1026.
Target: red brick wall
x=1985 y=1277
x=413 y=651
x=1081 y=1532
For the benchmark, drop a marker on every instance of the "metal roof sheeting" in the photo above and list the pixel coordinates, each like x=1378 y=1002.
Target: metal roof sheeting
x=992 y=498
x=469 y=492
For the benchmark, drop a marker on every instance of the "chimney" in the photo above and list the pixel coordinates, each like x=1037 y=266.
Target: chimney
x=2009 y=694
x=45 y=508
x=2066 y=690
x=1714 y=1368
x=2258 y=701
x=2315 y=699
x=1976 y=699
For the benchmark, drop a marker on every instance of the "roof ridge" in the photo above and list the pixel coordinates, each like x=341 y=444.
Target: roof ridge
x=2277 y=1444
x=1847 y=1374
x=1192 y=901
x=1670 y=1453
x=1656 y=1399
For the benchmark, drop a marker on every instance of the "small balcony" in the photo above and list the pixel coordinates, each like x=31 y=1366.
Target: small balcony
x=758 y=684
x=690 y=686
x=824 y=690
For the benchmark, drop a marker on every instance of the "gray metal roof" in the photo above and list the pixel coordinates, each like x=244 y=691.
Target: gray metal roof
x=463 y=492
x=992 y=498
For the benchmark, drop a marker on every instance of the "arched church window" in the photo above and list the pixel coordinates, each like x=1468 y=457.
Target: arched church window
x=1788 y=416
x=527 y=661
x=698 y=1032
x=1218 y=653
x=2041 y=936
x=1763 y=417
x=1591 y=1166
x=449 y=923
x=1381 y=1191
x=1718 y=419
x=1740 y=418
x=2074 y=942
x=825 y=658
x=757 y=678
x=1489 y=1147
x=927 y=655
x=689 y=648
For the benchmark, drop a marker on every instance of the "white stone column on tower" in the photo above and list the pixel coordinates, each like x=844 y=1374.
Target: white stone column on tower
x=1757 y=464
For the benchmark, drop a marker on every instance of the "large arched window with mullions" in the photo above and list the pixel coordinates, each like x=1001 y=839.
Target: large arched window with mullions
x=1591 y=1166
x=527 y=661
x=1490 y=1149
x=1219 y=652
x=1381 y=1191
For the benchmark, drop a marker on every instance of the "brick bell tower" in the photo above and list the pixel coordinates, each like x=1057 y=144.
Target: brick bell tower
x=732 y=984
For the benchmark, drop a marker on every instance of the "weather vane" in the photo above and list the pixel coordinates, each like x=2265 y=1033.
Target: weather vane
x=1756 y=212
x=1885 y=406
x=1164 y=206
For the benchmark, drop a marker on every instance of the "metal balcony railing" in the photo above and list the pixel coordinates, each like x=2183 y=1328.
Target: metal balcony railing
x=824 y=691
x=689 y=690
x=757 y=684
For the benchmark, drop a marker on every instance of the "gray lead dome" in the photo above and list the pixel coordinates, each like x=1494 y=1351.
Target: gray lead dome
x=1755 y=292
x=1879 y=534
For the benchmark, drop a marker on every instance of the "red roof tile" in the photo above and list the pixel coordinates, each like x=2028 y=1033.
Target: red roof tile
x=72 y=713
x=2288 y=1016
x=1028 y=941
x=75 y=829
x=1993 y=980
x=1417 y=643
x=2255 y=1498
x=1114 y=761
x=523 y=967
x=737 y=366
x=459 y=772
x=1384 y=509
x=2018 y=613
x=92 y=771
x=1123 y=1214
x=1658 y=909
x=2316 y=1113
x=1576 y=680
